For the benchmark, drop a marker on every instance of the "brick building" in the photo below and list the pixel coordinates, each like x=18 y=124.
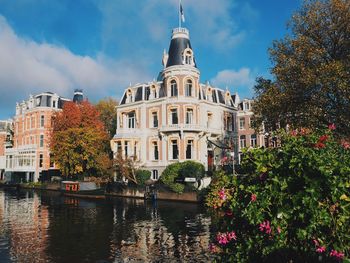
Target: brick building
x=30 y=155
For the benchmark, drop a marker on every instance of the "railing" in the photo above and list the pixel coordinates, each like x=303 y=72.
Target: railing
x=180 y=30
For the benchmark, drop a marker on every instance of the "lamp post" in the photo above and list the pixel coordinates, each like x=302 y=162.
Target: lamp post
x=233 y=162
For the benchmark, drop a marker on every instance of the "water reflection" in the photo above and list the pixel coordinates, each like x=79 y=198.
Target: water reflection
x=47 y=227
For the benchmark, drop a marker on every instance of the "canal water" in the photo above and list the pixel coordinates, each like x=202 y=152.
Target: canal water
x=48 y=227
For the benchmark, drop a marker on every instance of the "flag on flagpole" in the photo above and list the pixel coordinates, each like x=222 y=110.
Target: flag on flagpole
x=182 y=13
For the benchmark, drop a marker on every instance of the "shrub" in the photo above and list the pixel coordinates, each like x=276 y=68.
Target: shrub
x=169 y=176
x=191 y=169
x=142 y=176
x=293 y=203
x=179 y=171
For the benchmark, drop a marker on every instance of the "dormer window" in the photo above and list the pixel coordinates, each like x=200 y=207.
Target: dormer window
x=129 y=96
x=173 y=88
x=188 y=57
x=188 y=88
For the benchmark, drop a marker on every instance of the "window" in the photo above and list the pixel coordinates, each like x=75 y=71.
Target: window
x=131 y=120
x=42 y=120
x=189 y=116
x=52 y=164
x=229 y=123
x=189 y=149
x=242 y=141
x=246 y=106
x=173 y=87
x=188 y=57
x=41 y=157
x=188 y=88
x=32 y=120
x=155 y=151
x=174 y=118
x=135 y=151
x=126 y=148
x=210 y=118
x=241 y=123
x=175 y=150
x=253 y=140
x=119 y=147
x=54 y=104
x=155 y=119
x=155 y=175
x=41 y=140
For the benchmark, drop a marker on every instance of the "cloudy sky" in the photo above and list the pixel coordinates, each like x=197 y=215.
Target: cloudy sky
x=102 y=46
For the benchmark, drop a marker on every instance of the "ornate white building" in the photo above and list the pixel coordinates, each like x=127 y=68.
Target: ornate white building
x=176 y=118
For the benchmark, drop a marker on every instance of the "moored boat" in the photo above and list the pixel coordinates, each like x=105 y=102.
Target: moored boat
x=82 y=189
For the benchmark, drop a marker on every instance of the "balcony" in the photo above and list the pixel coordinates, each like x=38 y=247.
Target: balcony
x=127 y=132
x=189 y=128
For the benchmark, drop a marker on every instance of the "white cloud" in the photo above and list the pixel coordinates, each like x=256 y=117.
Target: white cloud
x=241 y=80
x=28 y=67
x=212 y=22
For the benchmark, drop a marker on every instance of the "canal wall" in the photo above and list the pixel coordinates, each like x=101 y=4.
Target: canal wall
x=161 y=194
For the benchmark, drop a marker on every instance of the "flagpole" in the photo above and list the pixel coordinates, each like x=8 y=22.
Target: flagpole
x=179 y=14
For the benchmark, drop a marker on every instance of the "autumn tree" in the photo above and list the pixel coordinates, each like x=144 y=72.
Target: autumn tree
x=78 y=141
x=311 y=69
x=108 y=114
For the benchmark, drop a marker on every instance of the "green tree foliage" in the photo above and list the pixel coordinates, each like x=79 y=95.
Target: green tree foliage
x=78 y=141
x=311 y=68
x=142 y=176
x=108 y=114
x=177 y=171
x=293 y=203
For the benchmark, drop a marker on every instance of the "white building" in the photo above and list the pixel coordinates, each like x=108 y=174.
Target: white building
x=176 y=118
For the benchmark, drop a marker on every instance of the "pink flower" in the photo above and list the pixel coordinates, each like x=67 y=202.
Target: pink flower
x=321 y=249
x=336 y=254
x=253 y=197
x=294 y=133
x=345 y=144
x=279 y=230
x=319 y=145
x=315 y=242
x=213 y=248
x=331 y=126
x=222 y=238
x=323 y=138
x=231 y=235
x=265 y=227
x=222 y=194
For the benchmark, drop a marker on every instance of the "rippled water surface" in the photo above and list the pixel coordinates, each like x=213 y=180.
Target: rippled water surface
x=48 y=227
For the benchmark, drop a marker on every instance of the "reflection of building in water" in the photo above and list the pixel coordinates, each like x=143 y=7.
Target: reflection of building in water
x=152 y=239
x=28 y=225
x=2 y=207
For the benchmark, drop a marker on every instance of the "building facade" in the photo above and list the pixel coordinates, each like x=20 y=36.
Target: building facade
x=5 y=142
x=248 y=137
x=176 y=118
x=30 y=155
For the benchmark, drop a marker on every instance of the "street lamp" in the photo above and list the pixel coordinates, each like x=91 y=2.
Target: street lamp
x=233 y=162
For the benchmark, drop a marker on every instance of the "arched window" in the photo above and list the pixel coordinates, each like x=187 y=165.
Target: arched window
x=188 y=88
x=173 y=88
x=188 y=57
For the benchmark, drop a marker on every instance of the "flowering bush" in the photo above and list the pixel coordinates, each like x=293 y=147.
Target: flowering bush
x=293 y=203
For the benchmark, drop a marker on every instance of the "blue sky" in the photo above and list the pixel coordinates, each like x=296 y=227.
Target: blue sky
x=104 y=45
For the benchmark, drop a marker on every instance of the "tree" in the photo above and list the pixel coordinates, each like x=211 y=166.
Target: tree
x=126 y=167
x=311 y=68
x=108 y=114
x=78 y=141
